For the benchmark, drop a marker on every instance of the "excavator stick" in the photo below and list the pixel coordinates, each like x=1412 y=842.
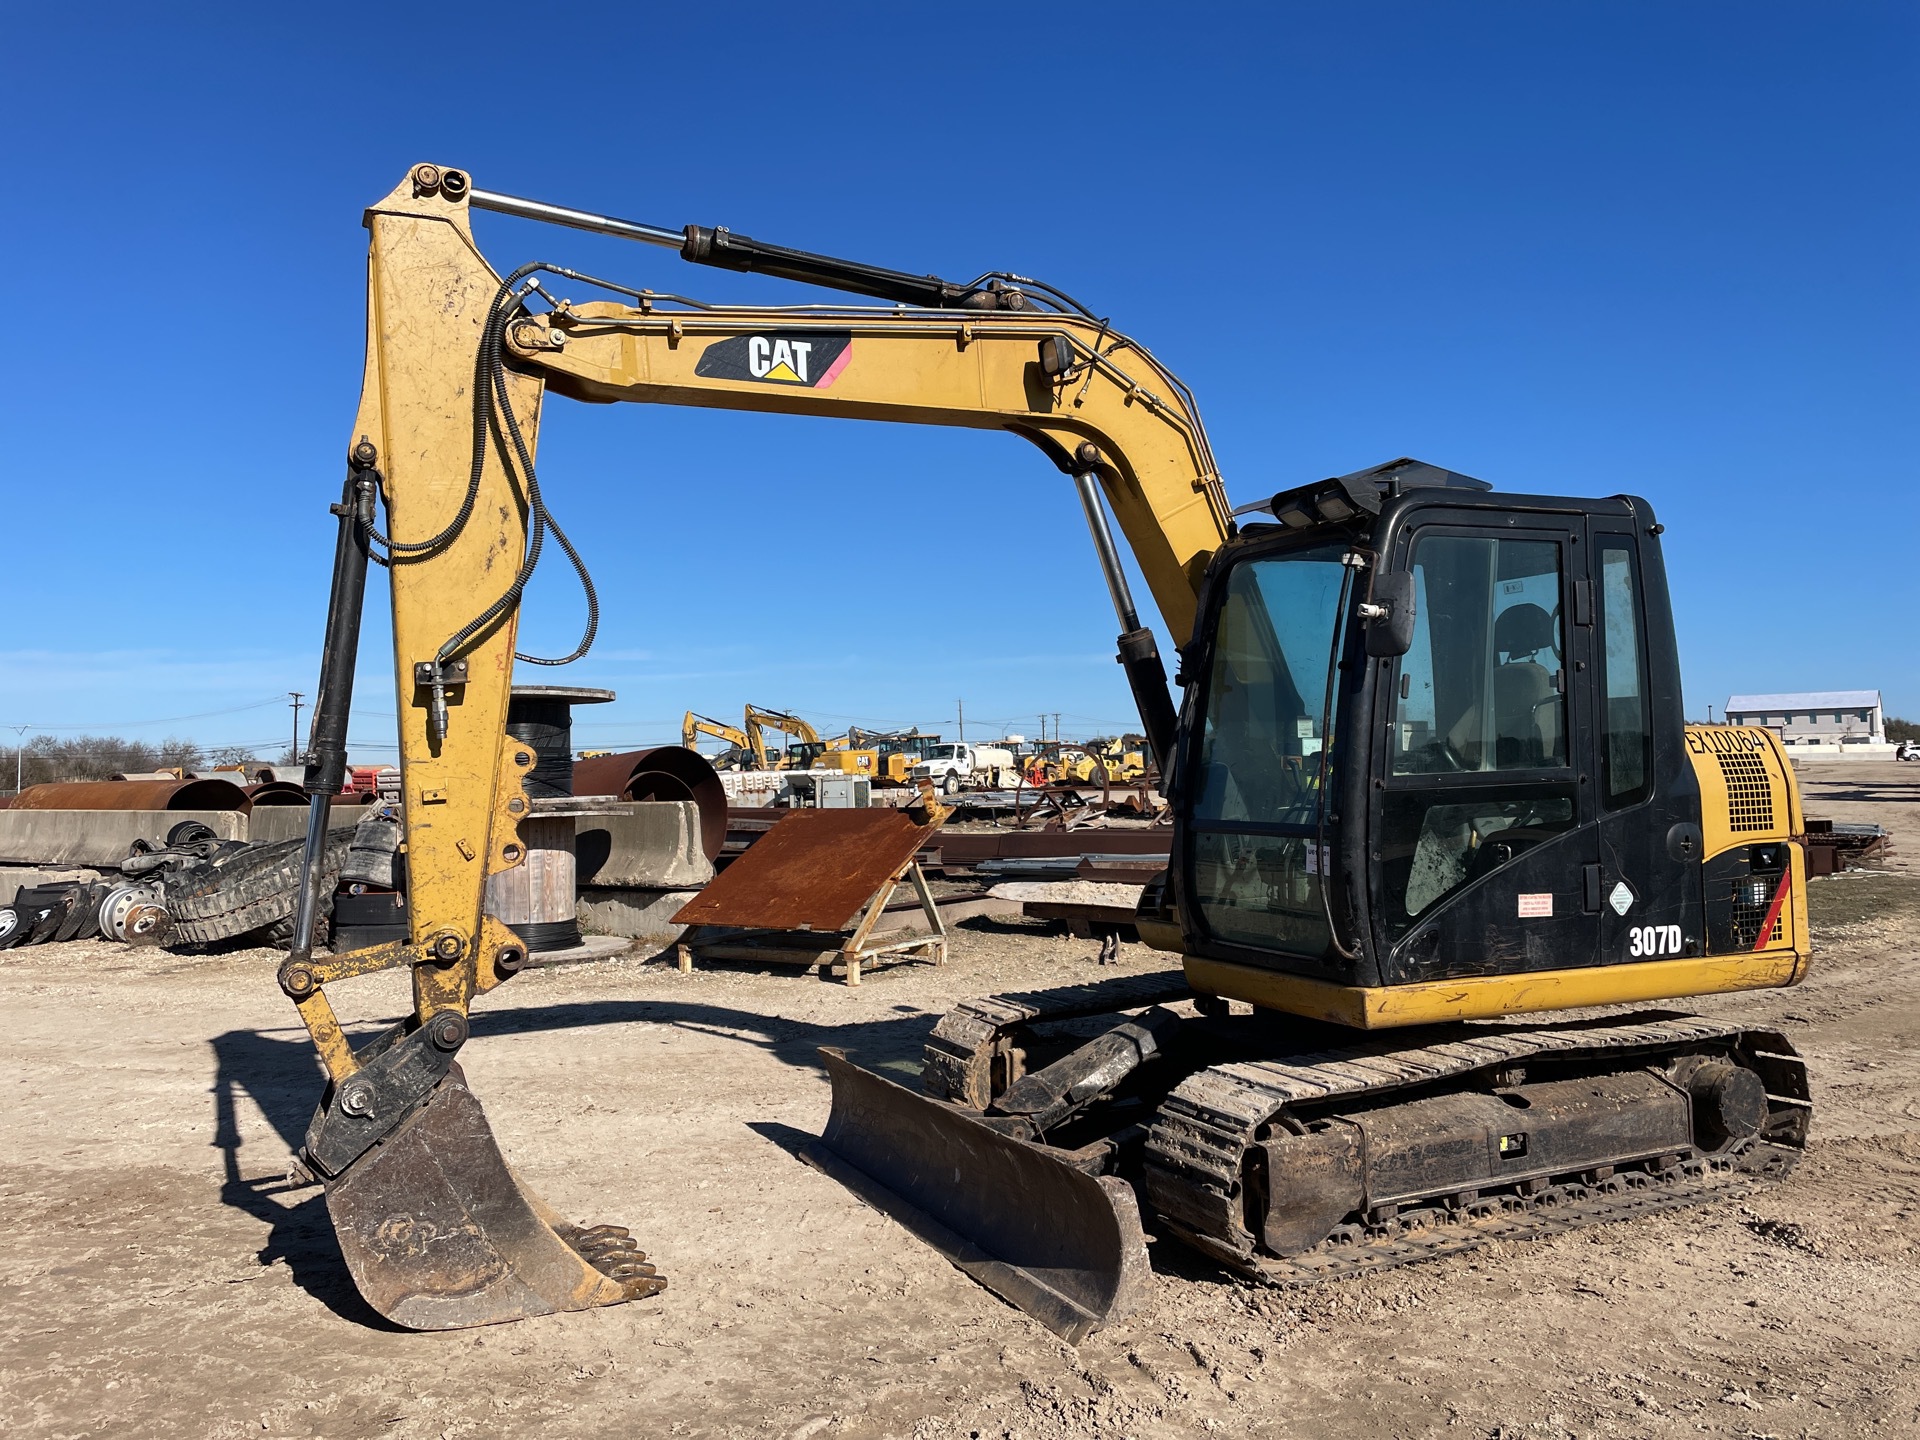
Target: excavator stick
x=439 y=1235
x=1059 y=1243
x=435 y=1229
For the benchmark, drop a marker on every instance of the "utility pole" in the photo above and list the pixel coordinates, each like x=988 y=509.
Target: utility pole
x=960 y=707
x=19 y=754
x=297 y=695
x=1056 y=727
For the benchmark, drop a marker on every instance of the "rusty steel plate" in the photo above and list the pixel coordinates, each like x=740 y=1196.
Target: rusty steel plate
x=814 y=870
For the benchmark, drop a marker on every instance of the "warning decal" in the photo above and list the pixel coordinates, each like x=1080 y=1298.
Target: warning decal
x=810 y=358
x=1534 y=906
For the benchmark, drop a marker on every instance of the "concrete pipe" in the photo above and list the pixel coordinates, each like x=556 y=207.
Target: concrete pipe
x=168 y=794
x=285 y=792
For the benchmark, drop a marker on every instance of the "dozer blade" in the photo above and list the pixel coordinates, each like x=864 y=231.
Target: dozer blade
x=439 y=1235
x=1064 y=1246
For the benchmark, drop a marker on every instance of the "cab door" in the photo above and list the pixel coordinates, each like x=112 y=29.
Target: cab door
x=1483 y=816
x=1644 y=885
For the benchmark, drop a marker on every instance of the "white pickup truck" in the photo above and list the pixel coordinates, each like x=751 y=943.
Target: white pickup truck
x=952 y=767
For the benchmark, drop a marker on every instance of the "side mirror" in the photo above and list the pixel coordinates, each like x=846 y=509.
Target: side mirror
x=1389 y=618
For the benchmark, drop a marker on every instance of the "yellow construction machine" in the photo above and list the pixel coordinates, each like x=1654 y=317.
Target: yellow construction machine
x=1428 y=775
x=806 y=750
x=741 y=752
x=898 y=750
x=1120 y=759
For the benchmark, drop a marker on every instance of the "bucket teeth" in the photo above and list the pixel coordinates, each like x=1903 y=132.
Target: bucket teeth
x=439 y=1234
x=611 y=1250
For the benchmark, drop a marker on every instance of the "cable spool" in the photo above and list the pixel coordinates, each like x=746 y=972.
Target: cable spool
x=541 y=716
x=544 y=936
x=537 y=898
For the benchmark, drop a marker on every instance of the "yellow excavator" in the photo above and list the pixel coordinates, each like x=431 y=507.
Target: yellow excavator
x=807 y=750
x=749 y=749
x=1428 y=773
x=741 y=753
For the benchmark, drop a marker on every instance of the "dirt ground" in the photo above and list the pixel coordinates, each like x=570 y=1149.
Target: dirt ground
x=158 y=1276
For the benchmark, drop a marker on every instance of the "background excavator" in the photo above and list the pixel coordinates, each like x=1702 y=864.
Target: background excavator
x=748 y=748
x=807 y=750
x=739 y=754
x=1428 y=773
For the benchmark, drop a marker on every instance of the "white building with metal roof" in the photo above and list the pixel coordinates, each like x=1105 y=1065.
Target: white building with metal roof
x=1841 y=721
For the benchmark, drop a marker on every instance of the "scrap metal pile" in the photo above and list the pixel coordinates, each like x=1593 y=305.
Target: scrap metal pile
x=198 y=889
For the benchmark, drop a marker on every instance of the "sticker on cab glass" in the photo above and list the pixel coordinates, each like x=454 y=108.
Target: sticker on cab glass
x=1532 y=907
x=812 y=359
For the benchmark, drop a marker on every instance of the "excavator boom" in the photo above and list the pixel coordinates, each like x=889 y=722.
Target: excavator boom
x=459 y=363
x=694 y=726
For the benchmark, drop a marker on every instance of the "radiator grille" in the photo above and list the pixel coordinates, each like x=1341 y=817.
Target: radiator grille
x=1751 y=901
x=1749 y=792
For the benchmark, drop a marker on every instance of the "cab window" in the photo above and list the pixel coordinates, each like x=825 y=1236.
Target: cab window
x=1626 y=735
x=1484 y=686
x=1257 y=825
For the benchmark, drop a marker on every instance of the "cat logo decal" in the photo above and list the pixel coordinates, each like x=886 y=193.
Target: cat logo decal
x=809 y=358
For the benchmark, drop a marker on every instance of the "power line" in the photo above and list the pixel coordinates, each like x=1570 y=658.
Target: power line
x=165 y=720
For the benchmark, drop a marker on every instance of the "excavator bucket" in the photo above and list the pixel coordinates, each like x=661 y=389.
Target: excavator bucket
x=1063 y=1245
x=440 y=1235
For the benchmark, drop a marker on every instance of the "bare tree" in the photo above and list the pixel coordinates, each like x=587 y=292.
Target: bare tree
x=49 y=759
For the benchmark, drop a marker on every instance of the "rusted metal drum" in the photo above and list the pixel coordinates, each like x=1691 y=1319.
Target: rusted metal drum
x=134 y=795
x=668 y=772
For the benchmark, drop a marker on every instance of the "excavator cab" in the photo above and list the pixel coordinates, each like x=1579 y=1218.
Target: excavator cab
x=1434 y=736
x=1429 y=735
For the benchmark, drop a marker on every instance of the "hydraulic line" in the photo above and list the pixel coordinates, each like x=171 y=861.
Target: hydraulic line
x=327 y=741
x=493 y=391
x=492 y=413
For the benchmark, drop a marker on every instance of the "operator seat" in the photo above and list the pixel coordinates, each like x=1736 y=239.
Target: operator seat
x=1526 y=709
x=1525 y=703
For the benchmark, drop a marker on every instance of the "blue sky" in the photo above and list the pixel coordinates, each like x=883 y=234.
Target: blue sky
x=1577 y=248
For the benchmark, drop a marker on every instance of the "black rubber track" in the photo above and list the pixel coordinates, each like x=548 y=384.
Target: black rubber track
x=251 y=891
x=280 y=933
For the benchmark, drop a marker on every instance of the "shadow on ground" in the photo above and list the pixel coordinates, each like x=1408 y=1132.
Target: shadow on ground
x=282 y=1078
x=280 y=1074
